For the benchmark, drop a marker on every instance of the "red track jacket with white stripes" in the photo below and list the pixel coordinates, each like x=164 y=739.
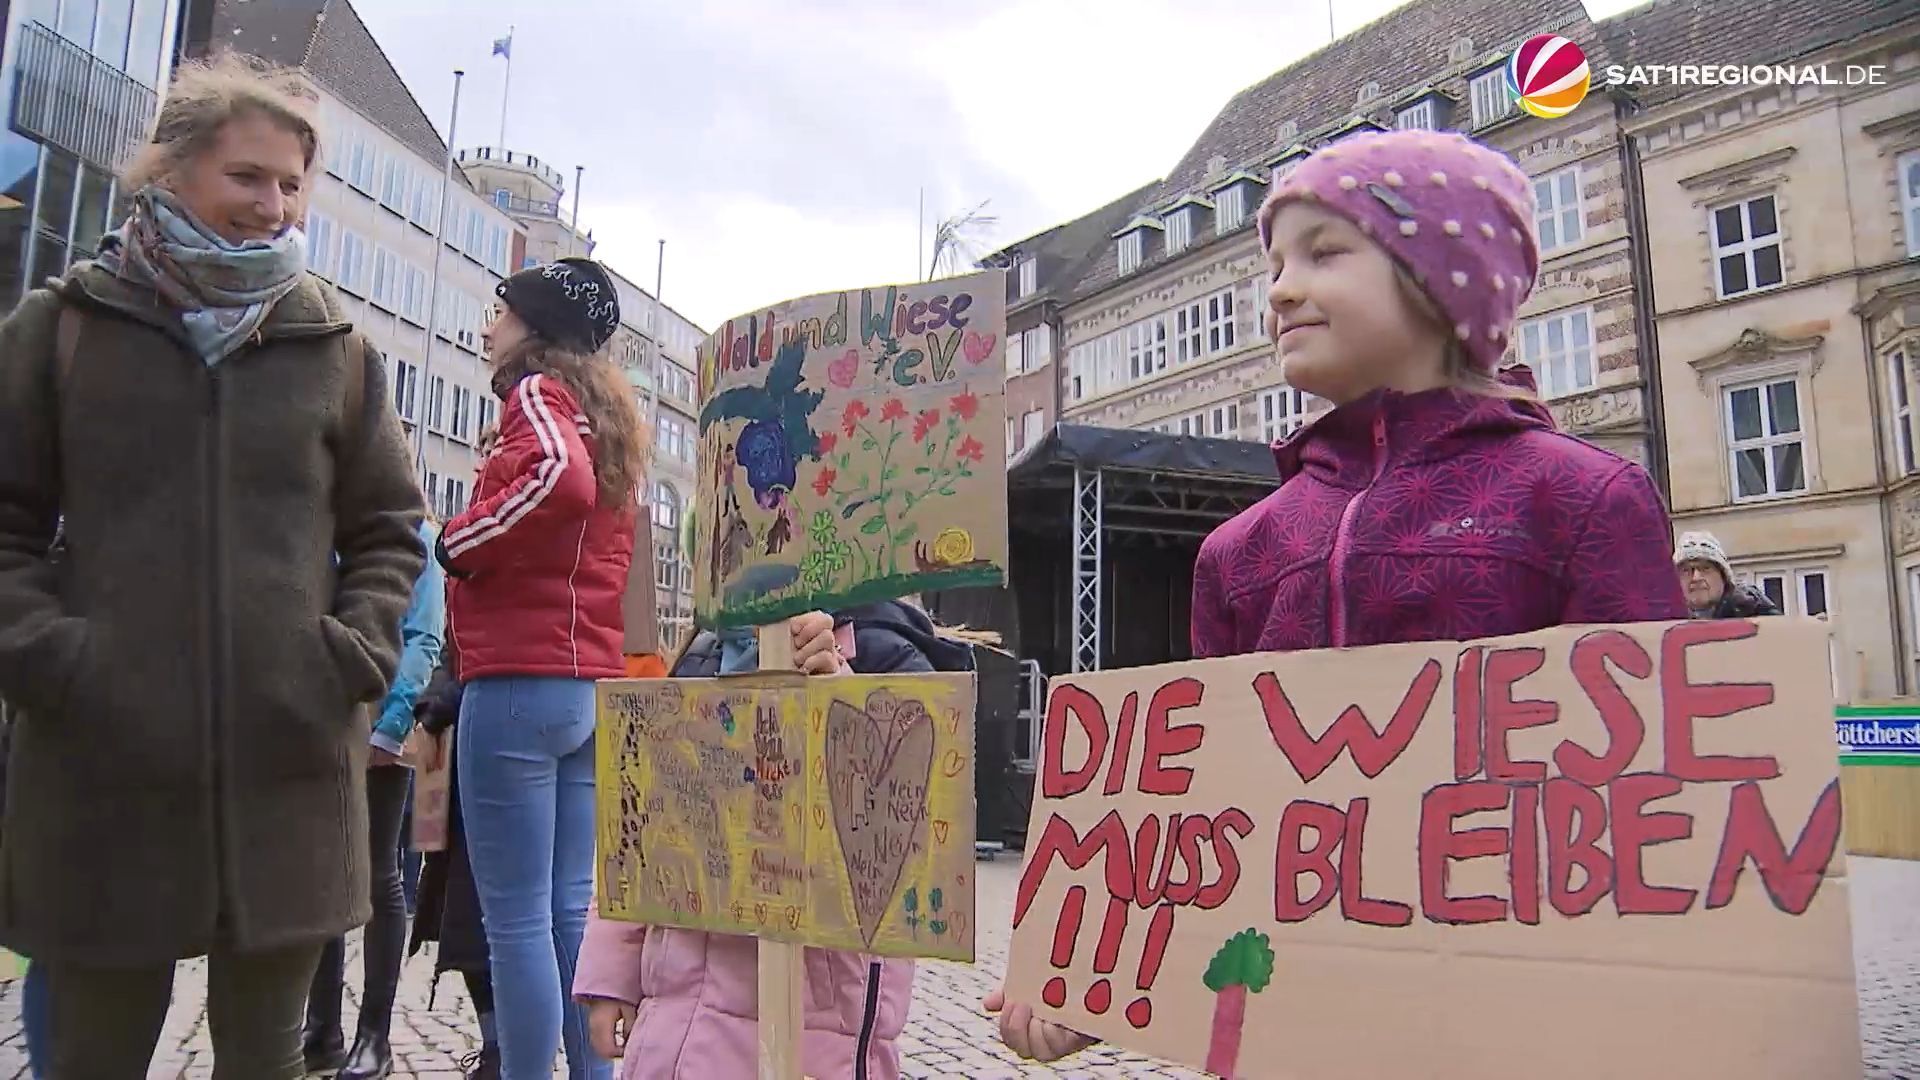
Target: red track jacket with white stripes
x=536 y=566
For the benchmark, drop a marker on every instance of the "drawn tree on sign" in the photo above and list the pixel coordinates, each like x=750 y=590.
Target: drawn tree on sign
x=1244 y=965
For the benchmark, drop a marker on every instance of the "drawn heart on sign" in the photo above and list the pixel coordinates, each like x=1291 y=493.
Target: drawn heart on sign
x=978 y=346
x=951 y=765
x=793 y=917
x=819 y=817
x=760 y=913
x=940 y=831
x=841 y=372
x=874 y=767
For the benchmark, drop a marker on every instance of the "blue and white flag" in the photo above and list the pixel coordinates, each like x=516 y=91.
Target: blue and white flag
x=503 y=46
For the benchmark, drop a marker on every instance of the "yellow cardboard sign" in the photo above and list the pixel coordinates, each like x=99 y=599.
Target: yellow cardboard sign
x=829 y=811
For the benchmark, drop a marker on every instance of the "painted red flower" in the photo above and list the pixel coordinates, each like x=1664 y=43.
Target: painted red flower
x=892 y=411
x=924 y=423
x=828 y=441
x=971 y=450
x=856 y=412
x=965 y=405
x=823 y=482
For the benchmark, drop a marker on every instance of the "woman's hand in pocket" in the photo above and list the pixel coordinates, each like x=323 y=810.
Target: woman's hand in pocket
x=609 y=1023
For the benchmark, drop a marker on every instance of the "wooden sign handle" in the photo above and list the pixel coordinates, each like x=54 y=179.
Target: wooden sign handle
x=782 y=1017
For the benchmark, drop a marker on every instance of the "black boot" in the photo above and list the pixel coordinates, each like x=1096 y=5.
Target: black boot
x=321 y=1045
x=482 y=1064
x=370 y=1059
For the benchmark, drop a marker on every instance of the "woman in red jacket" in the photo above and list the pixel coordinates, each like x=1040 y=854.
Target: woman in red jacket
x=537 y=565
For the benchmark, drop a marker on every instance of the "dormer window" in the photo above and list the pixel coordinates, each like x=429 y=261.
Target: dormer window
x=1179 y=229
x=1419 y=115
x=1369 y=93
x=1286 y=133
x=1234 y=200
x=1487 y=92
x=1027 y=270
x=1286 y=164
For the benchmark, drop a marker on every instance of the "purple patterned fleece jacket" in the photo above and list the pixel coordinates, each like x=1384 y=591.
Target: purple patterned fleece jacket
x=1437 y=516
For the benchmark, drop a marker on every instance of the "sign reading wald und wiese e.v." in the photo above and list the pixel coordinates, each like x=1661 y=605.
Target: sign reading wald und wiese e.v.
x=852 y=449
x=1588 y=852
x=834 y=812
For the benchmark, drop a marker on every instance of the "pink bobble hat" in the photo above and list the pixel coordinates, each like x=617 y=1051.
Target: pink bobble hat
x=1456 y=213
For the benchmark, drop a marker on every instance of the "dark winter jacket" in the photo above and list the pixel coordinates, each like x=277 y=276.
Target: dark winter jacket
x=889 y=638
x=1434 y=516
x=190 y=767
x=1742 y=602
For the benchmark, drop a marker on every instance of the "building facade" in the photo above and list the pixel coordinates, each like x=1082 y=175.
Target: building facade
x=532 y=192
x=79 y=85
x=1041 y=273
x=1165 y=331
x=1785 y=249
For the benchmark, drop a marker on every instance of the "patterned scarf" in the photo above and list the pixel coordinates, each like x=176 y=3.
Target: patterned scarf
x=223 y=291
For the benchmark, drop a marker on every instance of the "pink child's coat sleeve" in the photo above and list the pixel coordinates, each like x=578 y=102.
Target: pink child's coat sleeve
x=1622 y=565
x=609 y=959
x=1212 y=623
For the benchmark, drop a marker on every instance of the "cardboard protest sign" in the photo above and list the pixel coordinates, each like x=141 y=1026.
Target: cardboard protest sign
x=825 y=811
x=1585 y=852
x=852 y=450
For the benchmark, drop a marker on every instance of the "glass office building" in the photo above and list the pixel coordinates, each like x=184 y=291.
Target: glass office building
x=79 y=83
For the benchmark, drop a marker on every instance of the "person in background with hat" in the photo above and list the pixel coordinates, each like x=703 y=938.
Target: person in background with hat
x=1707 y=577
x=537 y=566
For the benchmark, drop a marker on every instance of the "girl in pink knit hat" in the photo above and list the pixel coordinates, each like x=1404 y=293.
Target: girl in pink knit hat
x=1436 y=501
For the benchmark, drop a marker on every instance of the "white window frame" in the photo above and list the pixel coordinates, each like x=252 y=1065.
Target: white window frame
x=1027 y=270
x=406 y=388
x=1016 y=354
x=1766 y=441
x=1792 y=580
x=1036 y=347
x=436 y=403
x=322 y=248
x=1033 y=426
x=1746 y=246
x=1147 y=348
x=1532 y=336
x=1189 y=333
x=1222 y=335
x=1416 y=117
x=1907 y=181
x=666 y=505
x=462 y=413
x=1487 y=93
x=1283 y=411
x=1229 y=208
x=1132 y=251
x=1566 y=221
x=1913 y=619
x=1900 y=409
x=1282 y=169
x=354 y=256
x=1179 y=223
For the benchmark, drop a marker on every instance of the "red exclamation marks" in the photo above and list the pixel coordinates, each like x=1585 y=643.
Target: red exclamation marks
x=1106 y=956
x=1159 y=932
x=1054 y=993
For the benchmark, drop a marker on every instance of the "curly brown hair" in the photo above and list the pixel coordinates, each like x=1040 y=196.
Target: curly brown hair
x=622 y=442
x=209 y=93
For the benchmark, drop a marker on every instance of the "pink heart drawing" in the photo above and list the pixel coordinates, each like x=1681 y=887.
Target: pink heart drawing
x=978 y=346
x=841 y=372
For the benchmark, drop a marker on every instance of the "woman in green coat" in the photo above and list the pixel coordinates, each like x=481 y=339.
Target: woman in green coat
x=188 y=777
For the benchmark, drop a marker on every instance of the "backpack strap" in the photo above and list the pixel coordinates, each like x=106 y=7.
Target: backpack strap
x=66 y=342
x=355 y=349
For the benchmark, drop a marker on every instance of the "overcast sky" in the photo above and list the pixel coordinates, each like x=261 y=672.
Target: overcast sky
x=779 y=146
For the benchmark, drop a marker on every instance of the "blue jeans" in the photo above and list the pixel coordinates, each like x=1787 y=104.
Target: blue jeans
x=525 y=757
x=33 y=1014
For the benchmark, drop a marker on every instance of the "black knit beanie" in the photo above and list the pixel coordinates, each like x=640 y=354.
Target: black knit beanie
x=570 y=302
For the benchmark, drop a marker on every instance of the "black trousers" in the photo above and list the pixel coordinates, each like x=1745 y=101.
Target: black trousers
x=386 y=939
x=107 y=1020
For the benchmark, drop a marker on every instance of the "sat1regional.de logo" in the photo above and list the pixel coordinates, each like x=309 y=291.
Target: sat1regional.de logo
x=1548 y=76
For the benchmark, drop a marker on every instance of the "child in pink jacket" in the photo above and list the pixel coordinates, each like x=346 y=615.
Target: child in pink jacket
x=687 y=1002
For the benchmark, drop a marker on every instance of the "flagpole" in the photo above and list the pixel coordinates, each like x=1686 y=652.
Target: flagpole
x=506 y=90
x=433 y=288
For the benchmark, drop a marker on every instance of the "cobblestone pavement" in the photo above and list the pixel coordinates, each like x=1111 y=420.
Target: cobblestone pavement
x=948 y=1036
